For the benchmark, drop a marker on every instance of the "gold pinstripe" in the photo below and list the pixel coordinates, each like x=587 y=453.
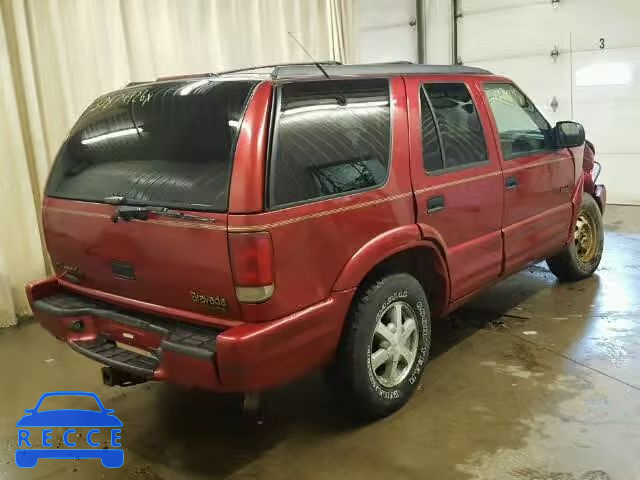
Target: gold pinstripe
x=457 y=182
x=324 y=213
x=77 y=212
x=531 y=165
x=165 y=223
x=185 y=224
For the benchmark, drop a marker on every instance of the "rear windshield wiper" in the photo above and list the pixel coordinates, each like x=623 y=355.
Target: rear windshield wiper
x=132 y=212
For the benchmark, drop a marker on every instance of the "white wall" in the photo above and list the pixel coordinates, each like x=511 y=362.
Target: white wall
x=384 y=34
x=599 y=87
x=383 y=31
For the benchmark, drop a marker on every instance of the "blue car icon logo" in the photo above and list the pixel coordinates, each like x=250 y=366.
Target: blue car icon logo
x=69 y=419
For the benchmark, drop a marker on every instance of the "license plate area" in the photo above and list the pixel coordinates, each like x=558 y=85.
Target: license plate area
x=130 y=338
x=134 y=349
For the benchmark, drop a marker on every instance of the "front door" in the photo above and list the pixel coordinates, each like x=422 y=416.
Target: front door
x=538 y=178
x=456 y=179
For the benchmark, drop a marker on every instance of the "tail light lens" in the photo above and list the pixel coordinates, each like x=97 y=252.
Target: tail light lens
x=252 y=266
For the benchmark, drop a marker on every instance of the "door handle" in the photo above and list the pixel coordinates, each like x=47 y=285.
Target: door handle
x=435 y=204
x=511 y=183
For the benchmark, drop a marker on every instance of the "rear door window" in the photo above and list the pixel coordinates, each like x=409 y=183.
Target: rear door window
x=332 y=138
x=456 y=123
x=169 y=143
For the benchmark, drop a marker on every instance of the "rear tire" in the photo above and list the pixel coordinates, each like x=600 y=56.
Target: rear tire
x=582 y=256
x=385 y=346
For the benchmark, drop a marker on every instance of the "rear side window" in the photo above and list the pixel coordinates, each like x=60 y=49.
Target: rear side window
x=169 y=144
x=332 y=137
x=523 y=130
x=458 y=126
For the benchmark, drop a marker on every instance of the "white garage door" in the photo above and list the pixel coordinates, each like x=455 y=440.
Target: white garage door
x=386 y=31
x=594 y=77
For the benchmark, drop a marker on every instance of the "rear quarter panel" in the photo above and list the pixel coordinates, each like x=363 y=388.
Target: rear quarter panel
x=313 y=242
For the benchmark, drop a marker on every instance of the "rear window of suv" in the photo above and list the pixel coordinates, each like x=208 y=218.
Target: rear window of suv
x=170 y=144
x=331 y=138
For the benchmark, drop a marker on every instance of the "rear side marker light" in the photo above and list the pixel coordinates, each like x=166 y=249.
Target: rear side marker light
x=252 y=265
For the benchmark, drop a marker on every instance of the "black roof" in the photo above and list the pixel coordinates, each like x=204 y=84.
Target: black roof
x=336 y=69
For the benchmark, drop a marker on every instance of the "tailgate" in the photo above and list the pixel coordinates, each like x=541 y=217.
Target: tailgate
x=168 y=262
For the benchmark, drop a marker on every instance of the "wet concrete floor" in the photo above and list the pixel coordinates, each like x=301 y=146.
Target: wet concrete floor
x=533 y=380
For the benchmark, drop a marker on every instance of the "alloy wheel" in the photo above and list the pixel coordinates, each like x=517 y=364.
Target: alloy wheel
x=394 y=345
x=585 y=237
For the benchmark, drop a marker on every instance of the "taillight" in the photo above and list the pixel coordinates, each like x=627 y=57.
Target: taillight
x=252 y=266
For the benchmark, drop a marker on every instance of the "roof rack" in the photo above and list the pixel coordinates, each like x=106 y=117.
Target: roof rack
x=135 y=83
x=334 y=68
x=276 y=66
x=184 y=77
x=393 y=68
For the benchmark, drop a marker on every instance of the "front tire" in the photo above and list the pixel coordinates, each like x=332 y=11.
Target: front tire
x=582 y=256
x=385 y=345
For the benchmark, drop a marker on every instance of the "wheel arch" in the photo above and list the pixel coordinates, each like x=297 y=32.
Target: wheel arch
x=401 y=249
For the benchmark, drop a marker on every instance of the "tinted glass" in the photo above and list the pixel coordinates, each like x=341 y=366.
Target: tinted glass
x=523 y=130
x=332 y=138
x=459 y=124
x=168 y=143
x=431 y=154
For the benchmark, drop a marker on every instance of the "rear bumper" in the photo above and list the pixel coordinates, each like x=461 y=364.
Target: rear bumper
x=248 y=357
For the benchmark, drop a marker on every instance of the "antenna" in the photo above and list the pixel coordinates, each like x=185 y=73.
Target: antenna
x=309 y=55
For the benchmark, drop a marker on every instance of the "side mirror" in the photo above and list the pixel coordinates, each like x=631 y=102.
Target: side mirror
x=569 y=134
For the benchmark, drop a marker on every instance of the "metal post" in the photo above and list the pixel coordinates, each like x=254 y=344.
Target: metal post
x=454 y=32
x=421 y=30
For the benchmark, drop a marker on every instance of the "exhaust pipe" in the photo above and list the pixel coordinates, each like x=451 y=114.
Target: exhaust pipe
x=118 y=378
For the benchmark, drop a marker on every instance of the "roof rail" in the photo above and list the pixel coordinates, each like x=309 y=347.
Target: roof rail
x=392 y=68
x=335 y=68
x=139 y=82
x=183 y=77
x=276 y=66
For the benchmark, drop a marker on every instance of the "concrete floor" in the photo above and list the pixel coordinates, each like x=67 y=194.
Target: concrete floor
x=533 y=380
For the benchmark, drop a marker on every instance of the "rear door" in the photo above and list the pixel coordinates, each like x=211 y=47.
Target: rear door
x=167 y=144
x=538 y=178
x=456 y=178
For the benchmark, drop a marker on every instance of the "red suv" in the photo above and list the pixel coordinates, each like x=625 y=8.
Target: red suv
x=236 y=231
